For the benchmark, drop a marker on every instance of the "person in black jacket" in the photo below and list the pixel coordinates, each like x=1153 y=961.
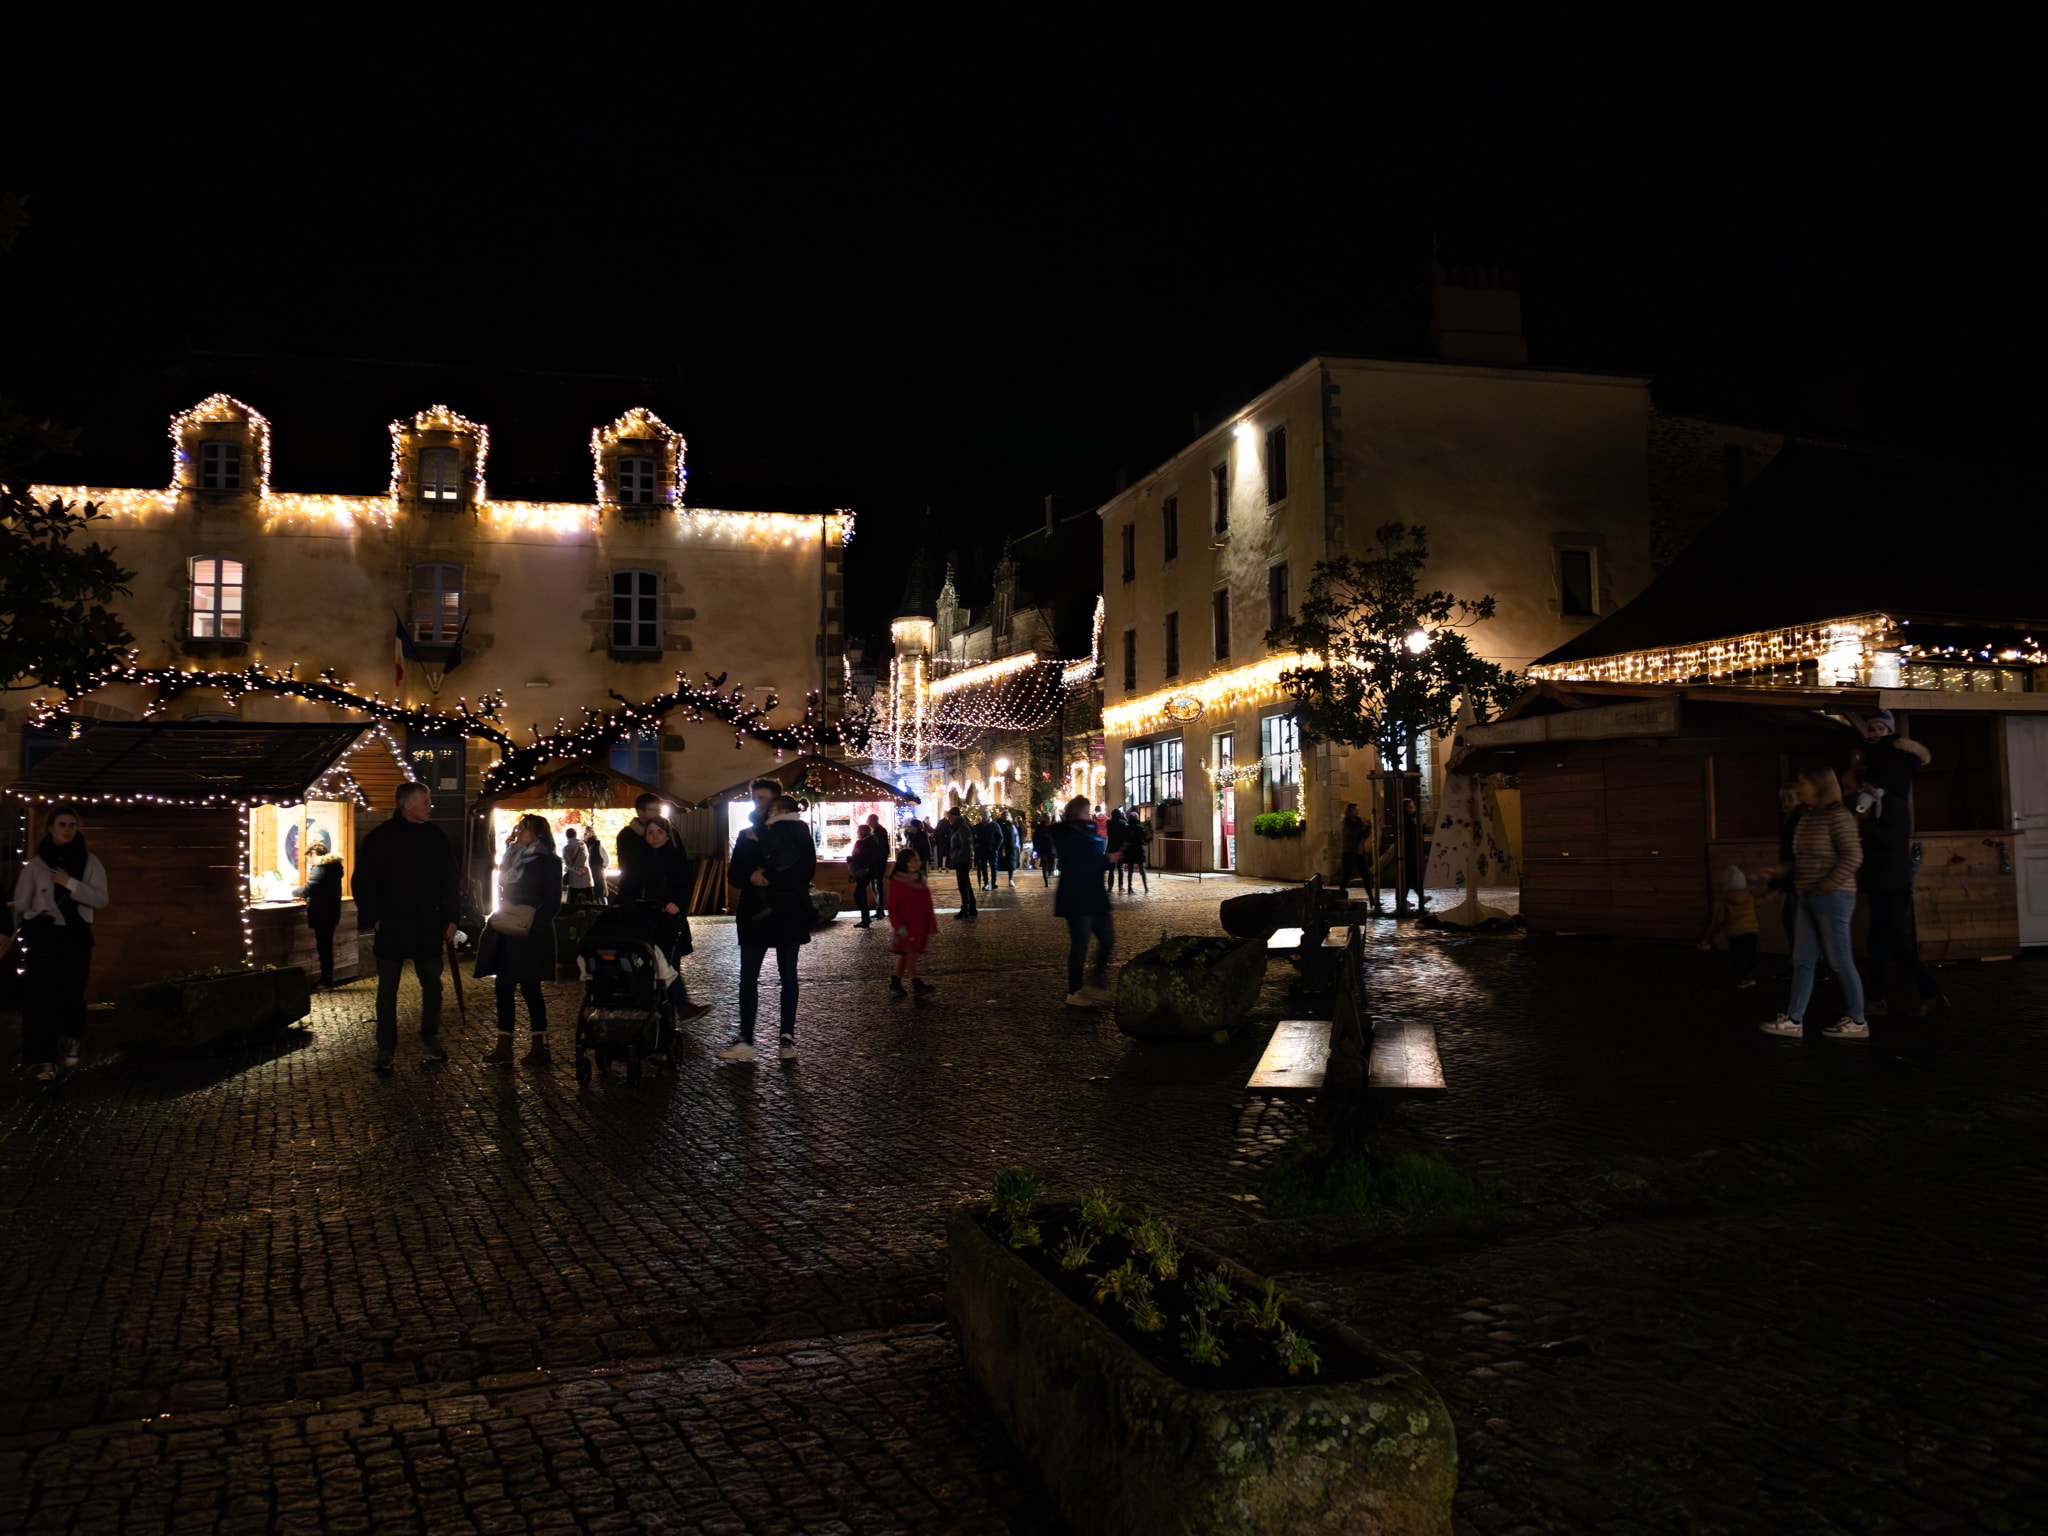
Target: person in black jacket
x=1883 y=797
x=322 y=895
x=406 y=892
x=657 y=884
x=771 y=867
x=529 y=876
x=986 y=835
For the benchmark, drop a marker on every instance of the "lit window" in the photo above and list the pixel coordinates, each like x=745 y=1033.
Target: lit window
x=1169 y=526
x=436 y=604
x=636 y=482
x=1221 y=604
x=220 y=466
x=1575 y=582
x=440 y=475
x=1138 y=775
x=216 y=599
x=638 y=755
x=1276 y=465
x=1278 y=611
x=1167 y=761
x=1173 y=644
x=1280 y=746
x=636 y=611
x=1219 y=498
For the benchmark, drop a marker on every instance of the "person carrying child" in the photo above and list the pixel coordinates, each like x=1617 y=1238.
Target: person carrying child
x=913 y=919
x=1734 y=923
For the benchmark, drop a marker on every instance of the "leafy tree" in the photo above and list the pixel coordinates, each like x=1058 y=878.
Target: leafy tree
x=55 y=627
x=1392 y=662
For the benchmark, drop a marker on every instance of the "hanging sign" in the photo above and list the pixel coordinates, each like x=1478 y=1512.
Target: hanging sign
x=1184 y=707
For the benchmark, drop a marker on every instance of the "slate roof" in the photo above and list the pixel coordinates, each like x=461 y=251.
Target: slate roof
x=192 y=759
x=1825 y=533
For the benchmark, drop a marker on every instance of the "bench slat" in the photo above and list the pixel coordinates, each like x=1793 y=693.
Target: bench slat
x=1285 y=938
x=1295 y=1059
x=1404 y=1060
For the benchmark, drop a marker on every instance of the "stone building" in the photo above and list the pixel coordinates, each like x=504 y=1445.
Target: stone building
x=995 y=703
x=429 y=588
x=1530 y=482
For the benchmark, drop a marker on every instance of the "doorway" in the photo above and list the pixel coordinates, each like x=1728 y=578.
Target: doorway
x=2026 y=757
x=1225 y=829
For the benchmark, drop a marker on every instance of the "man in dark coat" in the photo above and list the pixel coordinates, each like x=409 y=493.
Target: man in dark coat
x=771 y=868
x=406 y=893
x=1883 y=797
x=986 y=834
x=1083 y=900
x=631 y=843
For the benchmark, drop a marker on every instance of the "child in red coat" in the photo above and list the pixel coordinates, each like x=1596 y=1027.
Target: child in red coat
x=912 y=918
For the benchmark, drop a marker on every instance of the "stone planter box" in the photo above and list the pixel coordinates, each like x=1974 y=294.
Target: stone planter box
x=826 y=904
x=1124 y=1448
x=202 y=1011
x=1156 y=1001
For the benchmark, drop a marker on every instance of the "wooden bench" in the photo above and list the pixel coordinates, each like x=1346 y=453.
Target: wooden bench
x=1401 y=1061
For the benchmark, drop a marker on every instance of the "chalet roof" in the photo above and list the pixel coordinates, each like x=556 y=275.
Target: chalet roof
x=227 y=761
x=818 y=778
x=1826 y=533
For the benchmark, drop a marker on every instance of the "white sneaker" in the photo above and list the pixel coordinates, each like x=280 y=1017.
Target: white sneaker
x=739 y=1050
x=1846 y=1029
x=67 y=1052
x=1098 y=995
x=789 y=1047
x=1784 y=1025
x=1080 y=999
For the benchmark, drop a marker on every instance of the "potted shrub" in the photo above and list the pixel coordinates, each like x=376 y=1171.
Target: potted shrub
x=1189 y=988
x=1158 y=1386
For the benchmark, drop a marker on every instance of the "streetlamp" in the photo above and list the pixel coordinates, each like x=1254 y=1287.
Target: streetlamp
x=1419 y=641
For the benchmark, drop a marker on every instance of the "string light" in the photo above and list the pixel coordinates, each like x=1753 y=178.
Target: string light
x=981 y=676
x=214 y=409
x=1843 y=646
x=637 y=423
x=439 y=418
x=1255 y=680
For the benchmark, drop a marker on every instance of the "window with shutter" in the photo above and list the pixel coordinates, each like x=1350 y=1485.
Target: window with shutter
x=1219 y=499
x=436 y=603
x=1278 y=607
x=1130 y=659
x=440 y=475
x=1276 y=465
x=1130 y=543
x=1222 y=622
x=636 y=611
x=1173 y=644
x=1169 y=526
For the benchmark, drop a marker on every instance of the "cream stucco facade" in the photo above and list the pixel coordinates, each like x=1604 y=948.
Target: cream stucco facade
x=532 y=591
x=1531 y=484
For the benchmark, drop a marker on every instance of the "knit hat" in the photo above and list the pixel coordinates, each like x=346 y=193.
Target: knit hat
x=1885 y=718
x=1734 y=880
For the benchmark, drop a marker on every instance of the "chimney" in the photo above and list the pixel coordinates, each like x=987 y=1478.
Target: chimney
x=1475 y=315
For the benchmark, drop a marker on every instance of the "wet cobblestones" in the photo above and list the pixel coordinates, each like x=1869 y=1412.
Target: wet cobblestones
x=1744 y=1285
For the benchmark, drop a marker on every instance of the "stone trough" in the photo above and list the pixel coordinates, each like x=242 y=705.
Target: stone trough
x=192 y=1013
x=1124 y=1448
x=1159 y=1000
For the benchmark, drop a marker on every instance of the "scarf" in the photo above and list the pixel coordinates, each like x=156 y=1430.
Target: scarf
x=70 y=858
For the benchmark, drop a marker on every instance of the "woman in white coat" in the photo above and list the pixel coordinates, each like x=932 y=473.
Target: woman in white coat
x=54 y=901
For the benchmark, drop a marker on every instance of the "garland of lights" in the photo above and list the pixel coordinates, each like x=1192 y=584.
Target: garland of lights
x=518 y=766
x=1845 y=643
x=221 y=408
x=439 y=418
x=1234 y=775
x=637 y=423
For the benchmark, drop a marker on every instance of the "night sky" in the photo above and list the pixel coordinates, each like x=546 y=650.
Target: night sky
x=922 y=310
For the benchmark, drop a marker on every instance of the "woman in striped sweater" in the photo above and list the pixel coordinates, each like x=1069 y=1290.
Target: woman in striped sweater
x=1827 y=852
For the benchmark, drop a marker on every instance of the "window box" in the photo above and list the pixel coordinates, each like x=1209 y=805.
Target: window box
x=211 y=649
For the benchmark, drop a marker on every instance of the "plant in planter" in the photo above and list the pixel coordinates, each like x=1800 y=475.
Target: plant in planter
x=1279 y=824
x=1016 y=1194
x=1208 y=1400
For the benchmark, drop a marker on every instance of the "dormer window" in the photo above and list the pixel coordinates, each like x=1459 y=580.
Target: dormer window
x=220 y=466
x=636 y=482
x=440 y=475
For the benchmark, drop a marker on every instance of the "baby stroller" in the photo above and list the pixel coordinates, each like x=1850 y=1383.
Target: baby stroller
x=626 y=1014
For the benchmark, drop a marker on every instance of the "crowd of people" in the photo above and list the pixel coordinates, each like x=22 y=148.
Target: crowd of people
x=1845 y=839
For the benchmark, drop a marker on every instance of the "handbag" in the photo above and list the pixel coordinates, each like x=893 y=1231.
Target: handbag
x=514 y=922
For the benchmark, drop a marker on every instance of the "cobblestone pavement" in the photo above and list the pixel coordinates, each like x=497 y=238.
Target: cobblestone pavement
x=274 y=1289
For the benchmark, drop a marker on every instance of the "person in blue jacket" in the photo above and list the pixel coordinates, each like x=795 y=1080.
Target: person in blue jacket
x=1083 y=900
